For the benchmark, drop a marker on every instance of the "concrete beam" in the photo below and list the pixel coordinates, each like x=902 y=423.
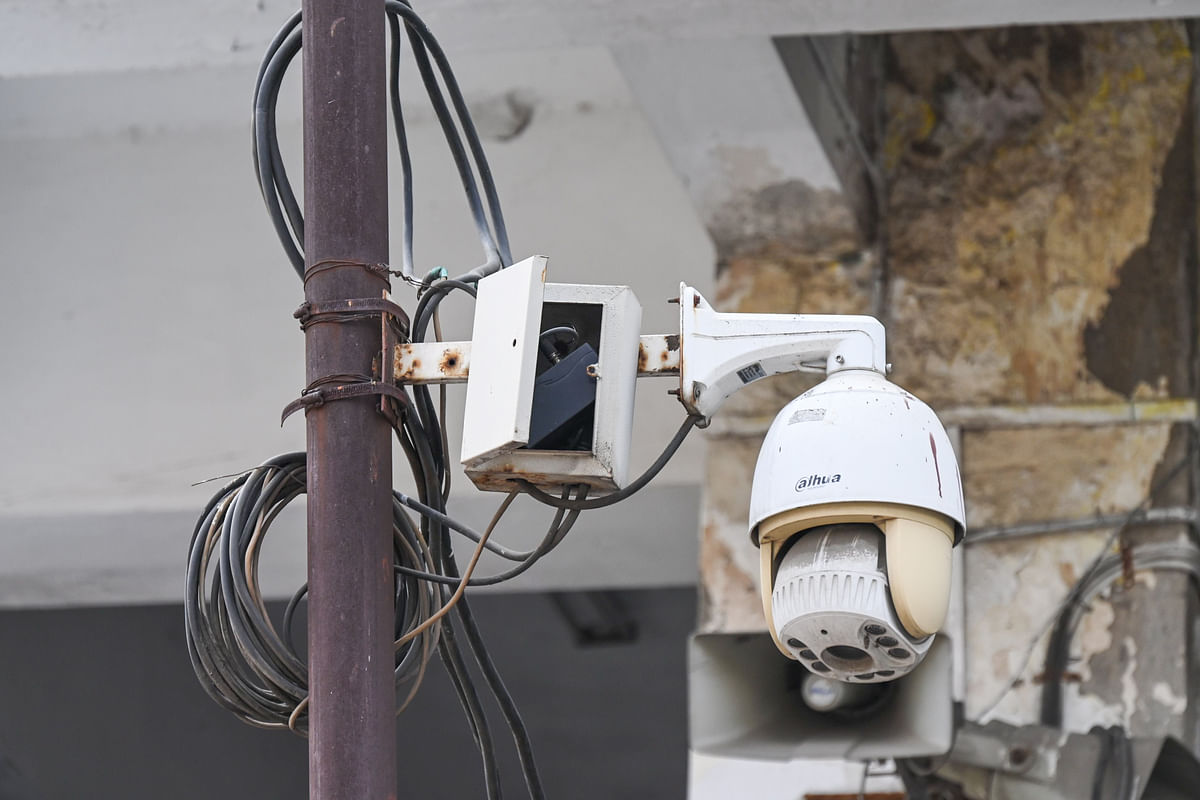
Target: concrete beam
x=730 y=123
x=138 y=557
x=73 y=36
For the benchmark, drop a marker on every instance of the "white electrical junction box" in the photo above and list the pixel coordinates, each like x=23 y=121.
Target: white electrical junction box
x=513 y=307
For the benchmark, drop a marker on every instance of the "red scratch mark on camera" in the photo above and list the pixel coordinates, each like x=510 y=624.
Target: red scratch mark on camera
x=937 y=471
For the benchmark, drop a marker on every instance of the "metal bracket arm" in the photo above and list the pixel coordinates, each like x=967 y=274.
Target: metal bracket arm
x=658 y=354
x=450 y=362
x=431 y=362
x=714 y=353
x=721 y=353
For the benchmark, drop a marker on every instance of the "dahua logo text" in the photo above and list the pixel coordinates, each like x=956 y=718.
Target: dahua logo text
x=816 y=480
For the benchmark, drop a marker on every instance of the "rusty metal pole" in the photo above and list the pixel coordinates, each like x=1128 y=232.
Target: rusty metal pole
x=350 y=607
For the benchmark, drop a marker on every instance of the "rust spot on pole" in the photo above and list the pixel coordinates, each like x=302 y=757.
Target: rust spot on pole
x=1127 y=575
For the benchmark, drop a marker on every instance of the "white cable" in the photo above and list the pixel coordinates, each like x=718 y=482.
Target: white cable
x=1170 y=556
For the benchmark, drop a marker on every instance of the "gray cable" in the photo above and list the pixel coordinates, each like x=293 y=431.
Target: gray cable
x=621 y=494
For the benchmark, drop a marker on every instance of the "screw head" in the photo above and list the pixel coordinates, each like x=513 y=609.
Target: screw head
x=1019 y=755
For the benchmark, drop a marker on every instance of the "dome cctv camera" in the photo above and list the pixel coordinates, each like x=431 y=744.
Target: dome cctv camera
x=855 y=506
x=856 y=502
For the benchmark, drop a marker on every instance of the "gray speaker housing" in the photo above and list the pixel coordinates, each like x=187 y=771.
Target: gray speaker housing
x=744 y=702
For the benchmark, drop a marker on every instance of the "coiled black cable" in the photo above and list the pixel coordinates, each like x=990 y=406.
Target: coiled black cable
x=244 y=660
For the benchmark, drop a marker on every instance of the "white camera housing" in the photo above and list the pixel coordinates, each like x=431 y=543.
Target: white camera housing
x=856 y=451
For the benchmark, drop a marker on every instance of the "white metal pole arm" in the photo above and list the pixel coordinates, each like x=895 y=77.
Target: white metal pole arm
x=720 y=353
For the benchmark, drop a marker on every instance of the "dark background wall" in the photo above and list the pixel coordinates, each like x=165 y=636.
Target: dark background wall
x=102 y=703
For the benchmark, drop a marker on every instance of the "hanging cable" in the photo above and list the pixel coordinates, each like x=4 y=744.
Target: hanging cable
x=248 y=659
x=424 y=560
x=617 y=496
x=454 y=118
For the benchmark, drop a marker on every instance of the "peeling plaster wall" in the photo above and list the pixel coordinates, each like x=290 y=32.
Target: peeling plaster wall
x=1040 y=208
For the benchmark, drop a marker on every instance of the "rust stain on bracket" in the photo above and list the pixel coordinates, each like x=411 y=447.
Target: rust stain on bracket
x=658 y=354
x=432 y=362
x=450 y=362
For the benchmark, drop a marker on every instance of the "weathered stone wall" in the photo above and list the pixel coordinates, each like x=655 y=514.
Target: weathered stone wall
x=1023 y=169
x=1040 y=251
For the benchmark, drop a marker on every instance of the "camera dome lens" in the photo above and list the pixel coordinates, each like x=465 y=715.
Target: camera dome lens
x=847 y=658
x=846 y=652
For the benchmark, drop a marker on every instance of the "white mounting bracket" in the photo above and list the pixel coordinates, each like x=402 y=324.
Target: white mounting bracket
x=714 y=354
x=720 y=353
